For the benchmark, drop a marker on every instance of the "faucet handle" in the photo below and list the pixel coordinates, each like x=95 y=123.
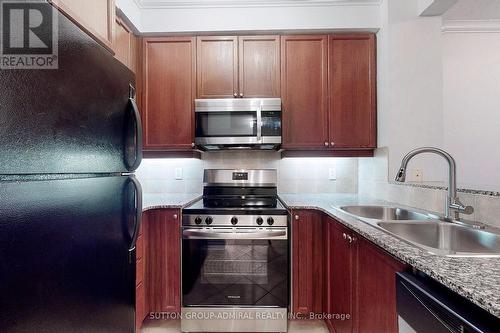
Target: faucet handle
x=468 y=210
x=461 y=208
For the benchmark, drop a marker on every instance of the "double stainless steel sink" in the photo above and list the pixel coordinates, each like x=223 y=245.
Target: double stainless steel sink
x=426 y=231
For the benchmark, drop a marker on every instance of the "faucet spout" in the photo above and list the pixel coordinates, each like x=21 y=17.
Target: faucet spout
x=452 y=201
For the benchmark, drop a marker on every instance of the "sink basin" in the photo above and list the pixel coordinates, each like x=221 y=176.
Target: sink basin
x=384 y=213
x=444 y=238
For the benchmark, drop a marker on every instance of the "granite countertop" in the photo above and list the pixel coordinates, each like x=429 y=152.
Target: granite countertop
x=477 y=279
x=167 y=200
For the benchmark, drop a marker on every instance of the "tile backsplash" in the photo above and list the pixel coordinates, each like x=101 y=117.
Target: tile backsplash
x=295 y=175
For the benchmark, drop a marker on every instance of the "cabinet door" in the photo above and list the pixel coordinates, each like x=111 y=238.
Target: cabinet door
x=342 y=278
x=169 y=91
x=308 y=262
x=217 y=71
x=163 y=260
x=304 y=91
x=352 y=87
x=96 y=17
x=259 y=66
x=377 y=286
x=122 y=42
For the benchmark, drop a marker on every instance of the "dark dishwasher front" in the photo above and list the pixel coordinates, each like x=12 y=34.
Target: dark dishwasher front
x=426 y=306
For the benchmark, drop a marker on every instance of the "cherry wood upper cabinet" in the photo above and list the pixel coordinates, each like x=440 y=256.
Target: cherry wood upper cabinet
x=169 y=92
x=259 y=66
x=304 y=91
x=95 y=17
x=125 y=45
x=217 y=70
x=352 y=88
x=308 y=262
x=377 y=289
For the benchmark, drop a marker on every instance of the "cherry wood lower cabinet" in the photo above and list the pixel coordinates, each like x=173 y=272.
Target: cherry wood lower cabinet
x=339 y=273
x=141 y=307
x=307 y=263
x=376 y=295
x=164 y=261
x=362 y=283
x=158 y=264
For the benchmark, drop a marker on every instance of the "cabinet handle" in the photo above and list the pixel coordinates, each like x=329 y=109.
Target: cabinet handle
x=192 y=144
x=349 y=239
x=326 y=144
x=344 y=235
x=235 y=95
x=296 y=217
x=241 y=95
x=332 y=144
x=176 y=216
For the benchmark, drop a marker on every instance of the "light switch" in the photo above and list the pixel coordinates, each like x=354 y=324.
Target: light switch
x=332 y=174
x=178 y=173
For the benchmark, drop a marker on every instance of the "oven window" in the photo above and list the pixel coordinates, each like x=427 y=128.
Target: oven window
x=235 y=273
x=223 y=124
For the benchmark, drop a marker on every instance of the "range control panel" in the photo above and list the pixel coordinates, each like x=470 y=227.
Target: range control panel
x=235 y=220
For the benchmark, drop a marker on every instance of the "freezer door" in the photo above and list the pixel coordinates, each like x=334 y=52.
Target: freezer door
x=67 y=251
x=75 y=119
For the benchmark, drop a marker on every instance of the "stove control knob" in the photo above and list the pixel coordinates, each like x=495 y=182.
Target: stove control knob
x=197 y=220
x=260 y=220
x=209 y=220
x=234 y=221
x=270 y=221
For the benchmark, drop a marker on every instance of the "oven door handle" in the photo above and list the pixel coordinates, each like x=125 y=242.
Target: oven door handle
x=205 y=234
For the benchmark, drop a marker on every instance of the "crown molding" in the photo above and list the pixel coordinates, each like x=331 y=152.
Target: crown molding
x=183 y=4
x=471 y=26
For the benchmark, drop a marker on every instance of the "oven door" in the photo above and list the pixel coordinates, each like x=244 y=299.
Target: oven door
x=235 y=267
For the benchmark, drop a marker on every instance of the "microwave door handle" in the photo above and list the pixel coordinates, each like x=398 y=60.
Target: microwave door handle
x=259 y=123
x=201 y=234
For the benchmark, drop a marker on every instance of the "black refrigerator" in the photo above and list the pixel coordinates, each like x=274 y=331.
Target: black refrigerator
x=70 y=205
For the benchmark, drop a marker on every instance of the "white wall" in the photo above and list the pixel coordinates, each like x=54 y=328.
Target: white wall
x=199 y=16
x=131 y=10
x=410 y=86
x=471 y=67
x=259 y=18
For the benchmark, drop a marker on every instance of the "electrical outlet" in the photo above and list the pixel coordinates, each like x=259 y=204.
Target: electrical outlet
x=416 y=175
x=332 y=174
x=178 y=173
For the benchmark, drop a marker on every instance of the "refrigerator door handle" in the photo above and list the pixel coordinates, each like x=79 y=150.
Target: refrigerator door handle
x=138 y=216
x=138 y=135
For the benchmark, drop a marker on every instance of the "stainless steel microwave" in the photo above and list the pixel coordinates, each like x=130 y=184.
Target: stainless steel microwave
x=240 y=123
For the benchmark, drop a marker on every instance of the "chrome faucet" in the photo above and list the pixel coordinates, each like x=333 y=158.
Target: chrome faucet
x=452 y=201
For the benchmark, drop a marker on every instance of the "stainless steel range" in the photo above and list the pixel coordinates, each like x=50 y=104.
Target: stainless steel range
x=235 y=255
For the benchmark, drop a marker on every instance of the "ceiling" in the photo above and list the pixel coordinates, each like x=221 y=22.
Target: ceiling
x=248 y=3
